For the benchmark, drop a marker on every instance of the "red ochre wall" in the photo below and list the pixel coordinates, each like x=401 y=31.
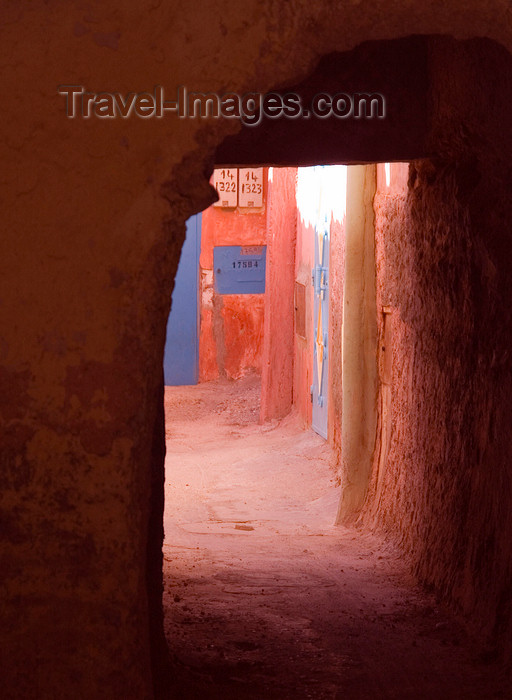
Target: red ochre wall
x=258 y=331
x=278 y=348
x=231 y=326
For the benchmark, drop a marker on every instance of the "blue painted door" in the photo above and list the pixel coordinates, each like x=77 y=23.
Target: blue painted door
x=320 y=278
x=181 y=356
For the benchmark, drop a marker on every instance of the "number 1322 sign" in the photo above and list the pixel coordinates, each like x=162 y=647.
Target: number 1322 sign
x=225 y=181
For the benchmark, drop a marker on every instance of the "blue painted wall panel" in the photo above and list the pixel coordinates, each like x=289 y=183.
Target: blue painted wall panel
x=321 y=317
x=239 y=269
x=181 y=356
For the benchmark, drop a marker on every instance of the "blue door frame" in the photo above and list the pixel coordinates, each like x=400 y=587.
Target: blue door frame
x=181 y=355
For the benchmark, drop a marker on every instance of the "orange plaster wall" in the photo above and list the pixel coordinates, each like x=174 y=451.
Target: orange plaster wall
x=243 y=317
x=231 y=328
x=303 y=347
x=277 y=369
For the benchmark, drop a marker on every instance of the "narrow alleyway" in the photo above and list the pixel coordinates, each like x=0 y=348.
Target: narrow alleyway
x=264 y=598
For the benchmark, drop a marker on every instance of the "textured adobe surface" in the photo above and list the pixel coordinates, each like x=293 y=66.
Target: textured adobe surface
x=92 y=224
x=264 y=598
x=444 y=267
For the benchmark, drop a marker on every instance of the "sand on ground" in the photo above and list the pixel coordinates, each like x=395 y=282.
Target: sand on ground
x=264 y=597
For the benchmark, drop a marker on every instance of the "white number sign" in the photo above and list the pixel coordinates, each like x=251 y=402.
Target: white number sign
x=225 y=181
x=251 y=187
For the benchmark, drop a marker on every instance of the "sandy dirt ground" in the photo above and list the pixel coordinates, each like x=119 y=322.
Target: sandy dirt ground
x=264 y=597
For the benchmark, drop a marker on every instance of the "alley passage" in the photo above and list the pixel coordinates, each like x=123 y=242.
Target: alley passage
x=264 y=598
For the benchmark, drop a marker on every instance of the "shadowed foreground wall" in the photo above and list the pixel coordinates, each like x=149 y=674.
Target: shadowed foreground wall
x=93 y=221
x=445 y=261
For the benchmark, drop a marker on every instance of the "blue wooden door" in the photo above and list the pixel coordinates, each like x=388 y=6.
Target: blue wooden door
x=181 y=356
x=320 y=278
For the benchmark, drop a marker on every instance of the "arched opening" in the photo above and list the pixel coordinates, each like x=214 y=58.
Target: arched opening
x=90 y=246
x=451 y=165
